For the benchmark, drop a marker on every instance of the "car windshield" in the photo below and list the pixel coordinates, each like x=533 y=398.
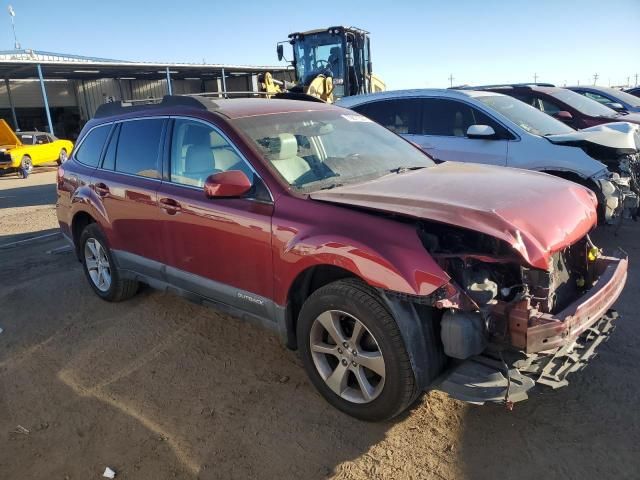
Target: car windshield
x=623 y=96
x=26 y=138
x=322 y=149
x=316 y=52
x=525 y=116
x=584 y=105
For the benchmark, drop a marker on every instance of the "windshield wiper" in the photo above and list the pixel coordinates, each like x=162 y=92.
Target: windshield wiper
x=330 y=186
x=404 y=169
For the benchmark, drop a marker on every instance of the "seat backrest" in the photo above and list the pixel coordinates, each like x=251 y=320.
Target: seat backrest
x=284 y=156
x=198 y=163
x=224 y=155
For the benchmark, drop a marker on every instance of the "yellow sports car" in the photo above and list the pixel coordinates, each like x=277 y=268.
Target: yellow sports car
x=29 y=149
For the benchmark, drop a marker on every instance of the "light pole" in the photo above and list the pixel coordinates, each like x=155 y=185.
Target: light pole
x=451 y=78
x=12 y=14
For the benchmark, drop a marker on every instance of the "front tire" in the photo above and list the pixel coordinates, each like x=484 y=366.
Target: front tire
x=353 y=351
x=100 y=268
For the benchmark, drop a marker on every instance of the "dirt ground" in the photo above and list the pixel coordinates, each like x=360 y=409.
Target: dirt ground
x=157 y=388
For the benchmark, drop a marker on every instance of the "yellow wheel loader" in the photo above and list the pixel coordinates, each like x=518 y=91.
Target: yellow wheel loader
x=328 y=63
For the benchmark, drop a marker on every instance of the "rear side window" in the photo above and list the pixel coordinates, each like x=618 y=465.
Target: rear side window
x=139 y=147
x=91 y=147
x=401 y=116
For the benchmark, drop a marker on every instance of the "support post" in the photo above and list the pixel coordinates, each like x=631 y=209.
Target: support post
x=46 y=100
x=13 y=108
x=224 y=84
x=169 y=88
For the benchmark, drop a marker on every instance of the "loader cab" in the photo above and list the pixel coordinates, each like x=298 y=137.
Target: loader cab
x=339 y=52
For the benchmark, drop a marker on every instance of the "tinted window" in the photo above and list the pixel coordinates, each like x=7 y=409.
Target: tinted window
x=452 y=118
x=198 y=150
x=109 y=162
x=91 y=147
x=400 y=116
x=139 y=147
x=40 y=139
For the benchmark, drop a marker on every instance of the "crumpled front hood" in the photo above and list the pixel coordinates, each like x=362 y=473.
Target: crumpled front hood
x=535 y=213
x=618 y=135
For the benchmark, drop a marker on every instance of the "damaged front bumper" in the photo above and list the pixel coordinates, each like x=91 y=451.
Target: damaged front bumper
x=490 y=378
x=617 y=196
x=544 y=348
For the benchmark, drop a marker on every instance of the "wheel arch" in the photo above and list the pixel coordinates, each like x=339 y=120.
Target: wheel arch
x=79 y=222
x=306 y=282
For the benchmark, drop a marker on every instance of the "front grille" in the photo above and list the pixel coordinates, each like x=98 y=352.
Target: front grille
x=5 y=158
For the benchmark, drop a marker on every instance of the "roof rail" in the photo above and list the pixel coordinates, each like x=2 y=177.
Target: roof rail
x=119 y=107
x=504 y=85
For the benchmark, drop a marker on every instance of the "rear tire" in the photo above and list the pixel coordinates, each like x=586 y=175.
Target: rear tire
x=353 y=382
x=100 y=268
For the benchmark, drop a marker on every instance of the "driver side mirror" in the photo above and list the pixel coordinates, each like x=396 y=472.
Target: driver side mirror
x=563 y=115
x=232 y=183
x=280 y=51
x=618 y=107
x=483 y=132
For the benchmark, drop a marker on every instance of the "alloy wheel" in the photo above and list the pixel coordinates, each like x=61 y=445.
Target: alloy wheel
x=347 y=356
x=97 y=263
x=63 y=156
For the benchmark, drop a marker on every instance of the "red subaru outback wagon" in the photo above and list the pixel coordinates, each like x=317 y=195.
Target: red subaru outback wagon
x=390 y=274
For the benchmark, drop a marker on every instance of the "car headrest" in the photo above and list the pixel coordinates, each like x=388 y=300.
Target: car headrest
x=217 y=141
x=285 y=147
x=198 y=159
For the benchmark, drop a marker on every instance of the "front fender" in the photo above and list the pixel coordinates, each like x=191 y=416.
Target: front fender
x=386 y=254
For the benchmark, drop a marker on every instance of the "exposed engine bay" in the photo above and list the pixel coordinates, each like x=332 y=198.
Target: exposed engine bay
x=620 y=189
x=511 y=326
x=493 y=281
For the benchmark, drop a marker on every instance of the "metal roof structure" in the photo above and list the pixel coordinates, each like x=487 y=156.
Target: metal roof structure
x=25 y=64
x=22 y=64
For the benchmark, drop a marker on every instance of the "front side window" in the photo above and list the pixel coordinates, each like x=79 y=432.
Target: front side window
x=198 y=150
x=550 y=108
x=138 y=148
x=320 y=149
x=450 y=118
x=42 y=139
x=401 y=116
x=524 y=116
x=91 y=147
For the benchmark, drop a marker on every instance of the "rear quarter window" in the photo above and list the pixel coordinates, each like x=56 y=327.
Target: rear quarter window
x=90 y=149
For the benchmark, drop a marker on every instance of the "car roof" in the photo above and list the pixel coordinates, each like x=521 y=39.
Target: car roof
x=29 y=132
x=420 y=92
x=230 y=108
x=251 y=107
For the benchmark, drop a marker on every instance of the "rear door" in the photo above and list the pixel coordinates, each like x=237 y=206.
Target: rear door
x=218 y=248
x=444 y=133
x=128 y=183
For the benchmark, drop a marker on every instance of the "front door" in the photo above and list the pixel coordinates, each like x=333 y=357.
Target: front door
x=218 y=248
x=444 y=133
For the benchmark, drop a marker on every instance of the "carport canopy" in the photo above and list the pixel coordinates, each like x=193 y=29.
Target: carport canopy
x=30 y=64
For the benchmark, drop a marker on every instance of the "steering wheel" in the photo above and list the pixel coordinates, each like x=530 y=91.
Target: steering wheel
x=322 y=63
